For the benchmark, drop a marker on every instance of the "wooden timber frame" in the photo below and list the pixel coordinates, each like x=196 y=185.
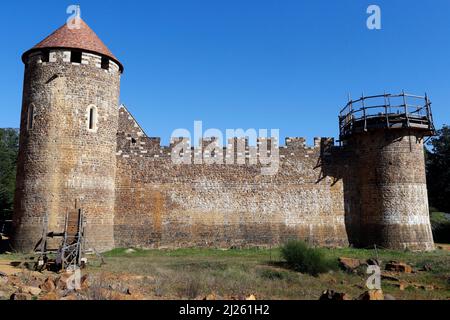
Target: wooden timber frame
x=71 y=250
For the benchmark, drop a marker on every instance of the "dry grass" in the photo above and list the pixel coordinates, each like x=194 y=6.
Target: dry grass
x=194 y=273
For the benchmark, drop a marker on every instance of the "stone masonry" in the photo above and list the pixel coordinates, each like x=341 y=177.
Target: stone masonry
x=162 y=204
x=79 y=147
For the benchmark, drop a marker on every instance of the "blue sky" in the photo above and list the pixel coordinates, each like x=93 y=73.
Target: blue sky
x=284 y=64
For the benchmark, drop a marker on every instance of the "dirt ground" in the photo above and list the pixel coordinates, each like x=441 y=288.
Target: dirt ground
x=6 y=267
x=135 y=274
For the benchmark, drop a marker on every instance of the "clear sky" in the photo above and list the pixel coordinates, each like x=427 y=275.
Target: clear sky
x=282 y=64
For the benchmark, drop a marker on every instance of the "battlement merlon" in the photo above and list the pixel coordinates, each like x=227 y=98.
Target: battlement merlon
x=130 y=130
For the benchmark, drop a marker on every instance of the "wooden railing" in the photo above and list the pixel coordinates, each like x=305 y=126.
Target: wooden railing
x=386 y=111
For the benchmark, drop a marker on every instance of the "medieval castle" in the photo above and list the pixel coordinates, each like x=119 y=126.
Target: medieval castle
x=78 y=145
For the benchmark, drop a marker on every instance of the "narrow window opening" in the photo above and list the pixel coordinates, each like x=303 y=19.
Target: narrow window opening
x=105 y=63
x=133 y=141
x=91 y=118
x=30 y=117
x=46 y=56
x=75 y=56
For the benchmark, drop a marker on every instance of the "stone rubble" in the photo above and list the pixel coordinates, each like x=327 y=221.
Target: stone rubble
x=398 y=267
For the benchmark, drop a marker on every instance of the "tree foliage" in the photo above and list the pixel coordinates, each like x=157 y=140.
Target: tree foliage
x=438 y=170
x=9 y=144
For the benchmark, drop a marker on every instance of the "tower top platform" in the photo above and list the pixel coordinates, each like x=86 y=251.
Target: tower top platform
x=386 y=111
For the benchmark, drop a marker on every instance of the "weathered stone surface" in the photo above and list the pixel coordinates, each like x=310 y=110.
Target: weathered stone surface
x=48 y=285
x=50 y=296
x=349 y=264
x=370 y=191
x=20 y=296
x=62 y=281
x=4 y=295
x=159 y=204
x=389 y=276
x=70 y=297
x=402 y=285
x=372 y=295
x=398 y=267
x=386 y=191
x=60 y=159
x=34 y=291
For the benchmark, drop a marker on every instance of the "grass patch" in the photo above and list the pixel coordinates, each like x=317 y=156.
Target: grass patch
x=276 y=275
x=300 y=257
x=126 y=252
x=200 y=266
x=272 y=274
x=195 y=273
x=193 y=252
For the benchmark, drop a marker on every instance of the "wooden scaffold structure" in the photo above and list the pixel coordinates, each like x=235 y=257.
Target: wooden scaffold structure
x=71 y=249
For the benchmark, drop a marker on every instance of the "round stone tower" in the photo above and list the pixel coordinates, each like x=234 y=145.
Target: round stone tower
x=386 y=191
x=67 y=137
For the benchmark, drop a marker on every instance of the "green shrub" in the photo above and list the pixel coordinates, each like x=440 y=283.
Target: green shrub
x=300 y=257
x=440 y=225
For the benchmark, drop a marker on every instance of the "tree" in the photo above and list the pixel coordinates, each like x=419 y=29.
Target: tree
x=9 y=145
x=438 y=170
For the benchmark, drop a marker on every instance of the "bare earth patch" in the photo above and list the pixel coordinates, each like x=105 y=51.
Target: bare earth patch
x=7 y=268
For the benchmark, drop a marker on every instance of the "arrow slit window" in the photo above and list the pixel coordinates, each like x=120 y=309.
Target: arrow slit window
x=30 y=117
x=92 y=118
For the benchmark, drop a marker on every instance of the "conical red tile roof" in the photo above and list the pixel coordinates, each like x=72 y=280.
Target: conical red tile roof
x=83 y=38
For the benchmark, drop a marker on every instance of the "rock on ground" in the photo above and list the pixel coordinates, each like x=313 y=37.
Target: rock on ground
x=349 y=264
x=372 y=295
x=398 y=267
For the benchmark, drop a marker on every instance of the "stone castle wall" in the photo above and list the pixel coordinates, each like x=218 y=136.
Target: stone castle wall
x=78 y=147
x=386 y=190
x=61 y=161
x=372 y=190
x=159 y=204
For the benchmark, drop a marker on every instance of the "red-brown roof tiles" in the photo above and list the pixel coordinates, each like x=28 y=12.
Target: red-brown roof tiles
x=83 y=38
